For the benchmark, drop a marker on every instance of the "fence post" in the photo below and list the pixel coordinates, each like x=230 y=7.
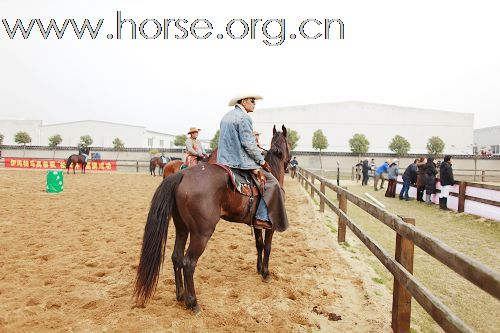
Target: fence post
x=305 y=183
x=312 y=186
x=483 y=175
x=342 y=224
x=352 y=174
x=321 y=200
x=401 y=298
x=461 y=196
x=137 y=166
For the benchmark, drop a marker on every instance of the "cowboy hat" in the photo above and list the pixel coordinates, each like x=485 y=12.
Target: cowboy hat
x=238 y=97
x=256 y=133
x=193 y=130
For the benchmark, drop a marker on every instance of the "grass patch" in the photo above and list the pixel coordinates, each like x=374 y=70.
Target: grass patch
x=378 y=280
x=474 y=236
x=331 y=227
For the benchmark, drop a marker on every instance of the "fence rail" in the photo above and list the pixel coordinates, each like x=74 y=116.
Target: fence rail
x=406 y=285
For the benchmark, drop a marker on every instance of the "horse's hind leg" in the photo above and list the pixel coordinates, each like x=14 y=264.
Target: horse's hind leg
x=197 y=244
x=259 y=244
x=181 y=235
x=267 y=253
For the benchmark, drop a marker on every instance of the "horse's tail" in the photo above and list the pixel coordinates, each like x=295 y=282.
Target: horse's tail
x=68 y=162
x=154 y=240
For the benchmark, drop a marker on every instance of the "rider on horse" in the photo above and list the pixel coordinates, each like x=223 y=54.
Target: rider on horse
x=84 y=151
x=194 y=149
x=238 y=149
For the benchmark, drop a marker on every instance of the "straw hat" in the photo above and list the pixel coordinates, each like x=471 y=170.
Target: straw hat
x=237 y=97
x=193 y=130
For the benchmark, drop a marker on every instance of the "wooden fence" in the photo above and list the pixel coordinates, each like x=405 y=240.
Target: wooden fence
x=406 y=285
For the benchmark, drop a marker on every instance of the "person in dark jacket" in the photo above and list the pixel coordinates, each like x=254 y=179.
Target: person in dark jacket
x=409 y=177
x=430 y=179
x=446 y=180
x=366 y=168
x=421 y=178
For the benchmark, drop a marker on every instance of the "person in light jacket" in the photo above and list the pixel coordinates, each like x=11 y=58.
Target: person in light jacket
x=392 y=175
x=238 y=149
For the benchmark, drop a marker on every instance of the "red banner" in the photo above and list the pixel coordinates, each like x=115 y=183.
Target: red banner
x=28 y=163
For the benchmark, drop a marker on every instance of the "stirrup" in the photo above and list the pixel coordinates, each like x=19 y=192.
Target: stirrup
x=261 y=224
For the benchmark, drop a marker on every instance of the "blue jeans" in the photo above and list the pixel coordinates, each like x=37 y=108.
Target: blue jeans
x=262 y=212
x=405 y=189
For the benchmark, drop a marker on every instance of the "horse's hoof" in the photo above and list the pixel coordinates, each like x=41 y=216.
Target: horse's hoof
x=267 y=278
x=196 y=310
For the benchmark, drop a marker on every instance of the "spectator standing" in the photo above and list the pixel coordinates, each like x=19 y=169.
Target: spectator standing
x=366 y=168
x=430 y=179
x=409 y=177
x=421 y=178
x=379 y=174
x=392 y=175
x=447 y=181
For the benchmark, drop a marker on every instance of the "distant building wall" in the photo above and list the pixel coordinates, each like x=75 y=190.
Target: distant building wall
x=378 y=122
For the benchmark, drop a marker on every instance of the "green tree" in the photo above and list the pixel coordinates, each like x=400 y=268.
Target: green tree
x=153 y=152
x=399 y=145
x=215 y=140
x=435 y=145
x=320 y=142
x=24 y=138
x=180 y=140
x=359 y=144
x=54 y=141
x=1 y=139
x=293 y=138
x=86 y=140
x=118 y=145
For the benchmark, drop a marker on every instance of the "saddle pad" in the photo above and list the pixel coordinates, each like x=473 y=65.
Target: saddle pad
x=241 y=180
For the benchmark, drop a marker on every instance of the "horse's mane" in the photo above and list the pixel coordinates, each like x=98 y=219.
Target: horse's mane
x=276 y=154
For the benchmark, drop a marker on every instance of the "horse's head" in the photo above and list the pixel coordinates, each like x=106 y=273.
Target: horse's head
x=280 y=148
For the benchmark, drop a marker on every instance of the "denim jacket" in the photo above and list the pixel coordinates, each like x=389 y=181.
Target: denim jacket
x=237 y=145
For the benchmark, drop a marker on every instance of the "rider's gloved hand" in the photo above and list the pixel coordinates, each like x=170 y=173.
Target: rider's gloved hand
x=266 y=166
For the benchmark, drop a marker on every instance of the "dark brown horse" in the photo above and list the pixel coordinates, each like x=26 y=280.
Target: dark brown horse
x=156 y=162
x=196 y=198
x=75 y=159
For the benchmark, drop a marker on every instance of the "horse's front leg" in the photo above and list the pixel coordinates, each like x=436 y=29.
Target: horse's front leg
x=259 y=244
x=267 y=253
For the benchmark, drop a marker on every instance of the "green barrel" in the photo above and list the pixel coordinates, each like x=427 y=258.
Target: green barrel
x=55 y=181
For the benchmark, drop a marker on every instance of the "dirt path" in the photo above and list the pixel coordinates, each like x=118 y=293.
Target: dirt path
x=68 y=263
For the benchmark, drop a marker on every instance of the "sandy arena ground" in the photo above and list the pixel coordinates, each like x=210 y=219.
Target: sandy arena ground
x=68 y=264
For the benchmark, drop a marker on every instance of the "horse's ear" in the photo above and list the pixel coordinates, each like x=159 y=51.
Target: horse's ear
x=284 y=130
x=274 y=130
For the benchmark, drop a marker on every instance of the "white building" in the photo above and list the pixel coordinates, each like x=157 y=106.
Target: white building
x=487 y=139
x=378 y=122
x=102 y=133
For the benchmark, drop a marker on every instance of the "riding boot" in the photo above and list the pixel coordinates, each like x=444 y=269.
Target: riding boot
x=440 y=203
x=428 y=199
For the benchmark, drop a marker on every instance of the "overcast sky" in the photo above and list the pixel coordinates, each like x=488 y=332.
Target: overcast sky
x=441 y=55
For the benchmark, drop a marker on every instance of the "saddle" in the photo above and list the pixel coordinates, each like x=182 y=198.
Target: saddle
x=243 y=181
